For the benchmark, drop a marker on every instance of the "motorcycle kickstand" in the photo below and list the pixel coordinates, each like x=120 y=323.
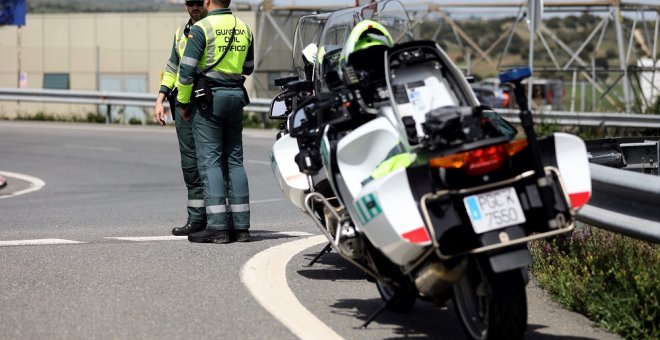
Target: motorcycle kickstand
x=326 y=249
x=377 y=312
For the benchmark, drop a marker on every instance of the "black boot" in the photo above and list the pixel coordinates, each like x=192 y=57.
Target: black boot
x=242 y=235
x=210 y=236
x=189 y=228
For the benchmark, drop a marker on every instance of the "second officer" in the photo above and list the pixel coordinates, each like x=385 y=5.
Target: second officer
x=220 y=48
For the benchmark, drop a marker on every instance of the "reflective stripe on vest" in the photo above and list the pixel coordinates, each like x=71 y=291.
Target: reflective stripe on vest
x=171 y=69
x=181 y=40
x=217 y=30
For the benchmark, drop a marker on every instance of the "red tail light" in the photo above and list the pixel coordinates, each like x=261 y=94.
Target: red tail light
x=485 y=160
x=480 y=161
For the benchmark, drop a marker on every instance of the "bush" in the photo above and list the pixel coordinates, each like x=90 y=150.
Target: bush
x=255 y=120
x=612 y=279
x=95 y=118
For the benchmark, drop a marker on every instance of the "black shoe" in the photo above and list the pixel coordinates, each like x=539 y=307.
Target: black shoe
x=209 y=236
x=189 y=228
x=242 y=236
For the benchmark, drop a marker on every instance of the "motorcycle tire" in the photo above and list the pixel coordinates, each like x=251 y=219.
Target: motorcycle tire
x=404 y=299
x=491 y=305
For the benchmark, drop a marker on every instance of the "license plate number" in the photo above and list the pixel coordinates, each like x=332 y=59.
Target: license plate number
x=494 y=210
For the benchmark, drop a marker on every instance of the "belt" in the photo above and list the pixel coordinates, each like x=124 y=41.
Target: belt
x=213 y=83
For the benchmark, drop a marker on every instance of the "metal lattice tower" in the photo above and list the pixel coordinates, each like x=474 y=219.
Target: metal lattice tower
x=635 y=38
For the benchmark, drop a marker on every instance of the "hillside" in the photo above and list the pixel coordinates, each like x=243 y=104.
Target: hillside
x=572 y=30
x=62 y=6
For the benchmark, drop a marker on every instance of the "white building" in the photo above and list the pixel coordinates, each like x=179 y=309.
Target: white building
x=90 y=51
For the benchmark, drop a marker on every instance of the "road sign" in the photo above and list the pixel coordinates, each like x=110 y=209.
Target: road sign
x=12 y=12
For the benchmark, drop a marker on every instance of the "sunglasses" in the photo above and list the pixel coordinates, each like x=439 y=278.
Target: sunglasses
x=194 y=3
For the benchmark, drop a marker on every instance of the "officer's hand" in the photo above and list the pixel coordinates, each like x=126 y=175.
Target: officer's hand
x=159 y=113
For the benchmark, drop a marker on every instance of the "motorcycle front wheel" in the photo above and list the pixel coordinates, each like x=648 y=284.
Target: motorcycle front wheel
x=491 y=305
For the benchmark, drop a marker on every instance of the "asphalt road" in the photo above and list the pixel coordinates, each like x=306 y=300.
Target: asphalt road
x=89 y=254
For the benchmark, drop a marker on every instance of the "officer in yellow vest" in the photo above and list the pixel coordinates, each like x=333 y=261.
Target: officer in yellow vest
x=221 y=47
x=196 y=209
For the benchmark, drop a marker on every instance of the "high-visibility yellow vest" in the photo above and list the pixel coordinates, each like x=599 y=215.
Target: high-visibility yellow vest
x=169 y=76
x=217 y=31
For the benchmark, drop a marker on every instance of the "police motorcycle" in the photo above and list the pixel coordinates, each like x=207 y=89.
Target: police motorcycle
x=312 y=31
x=432 y=197
x=294 y=89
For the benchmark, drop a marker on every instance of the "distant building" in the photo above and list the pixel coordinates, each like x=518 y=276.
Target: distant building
x=90 y=51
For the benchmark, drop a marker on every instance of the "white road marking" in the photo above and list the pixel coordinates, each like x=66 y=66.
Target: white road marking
x=39 y=242
x=257 y=162
x=266 y=200
x=179 y=238
x=86 y=127
x=295 y=233
x=265 y=277
x=36 y=183
x=50 y=241
x=150 y=238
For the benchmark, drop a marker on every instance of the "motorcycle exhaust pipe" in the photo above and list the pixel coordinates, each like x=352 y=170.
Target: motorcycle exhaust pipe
x=435 y=277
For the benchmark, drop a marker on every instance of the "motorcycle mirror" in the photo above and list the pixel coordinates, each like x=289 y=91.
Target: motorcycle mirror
x=283 y=81
x=300 y=86
x=278 y=109
x=303 y=122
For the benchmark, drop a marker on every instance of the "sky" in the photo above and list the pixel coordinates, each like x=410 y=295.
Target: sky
x=407 y=3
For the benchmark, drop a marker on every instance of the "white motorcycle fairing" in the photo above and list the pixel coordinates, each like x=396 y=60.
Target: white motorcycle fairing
x=294 y=184
x=389 y=215
x=570 y=157
x=385 y=208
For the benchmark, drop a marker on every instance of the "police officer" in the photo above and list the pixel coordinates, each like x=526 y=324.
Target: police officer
x=224 y=44
x=196 y=209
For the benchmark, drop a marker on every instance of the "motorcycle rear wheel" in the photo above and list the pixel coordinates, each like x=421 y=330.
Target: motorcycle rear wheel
x=491 y=305
x=404 y=299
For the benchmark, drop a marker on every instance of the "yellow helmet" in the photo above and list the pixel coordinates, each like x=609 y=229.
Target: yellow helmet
x=365 y=34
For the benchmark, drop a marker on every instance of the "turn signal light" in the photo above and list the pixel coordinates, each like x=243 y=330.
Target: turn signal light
x=480 y=161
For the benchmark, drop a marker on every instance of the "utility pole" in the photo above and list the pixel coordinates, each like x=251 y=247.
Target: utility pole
x=622 y=55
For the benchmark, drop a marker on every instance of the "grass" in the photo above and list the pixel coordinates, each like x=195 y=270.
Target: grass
x=46 y=117
x=612 y=279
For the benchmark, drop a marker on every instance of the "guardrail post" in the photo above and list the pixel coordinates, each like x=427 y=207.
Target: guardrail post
x=108 y=114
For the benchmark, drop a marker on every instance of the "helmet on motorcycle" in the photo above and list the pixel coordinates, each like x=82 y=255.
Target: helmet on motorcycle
x=365 y=34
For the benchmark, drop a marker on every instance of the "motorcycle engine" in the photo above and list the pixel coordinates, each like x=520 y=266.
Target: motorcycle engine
x=349 y=242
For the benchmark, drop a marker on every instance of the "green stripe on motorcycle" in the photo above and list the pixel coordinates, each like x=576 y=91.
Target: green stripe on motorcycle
x=368 y=207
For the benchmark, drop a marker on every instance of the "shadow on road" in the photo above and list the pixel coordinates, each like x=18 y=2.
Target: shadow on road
x=425 y=321
x=260 y=235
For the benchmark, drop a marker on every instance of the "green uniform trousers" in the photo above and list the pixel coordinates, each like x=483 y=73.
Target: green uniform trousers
x=196 y=207
x=218 y=139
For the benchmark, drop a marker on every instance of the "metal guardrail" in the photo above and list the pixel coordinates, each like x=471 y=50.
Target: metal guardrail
x=624 y=120
x=101 y=98
x=641 y=154
x=624 y=202
x=262 y=105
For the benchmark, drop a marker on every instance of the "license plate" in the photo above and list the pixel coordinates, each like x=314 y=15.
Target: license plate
x=494 y=210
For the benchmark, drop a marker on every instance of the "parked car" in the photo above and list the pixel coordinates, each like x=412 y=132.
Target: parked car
x=491 y=96
x=547 y=94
